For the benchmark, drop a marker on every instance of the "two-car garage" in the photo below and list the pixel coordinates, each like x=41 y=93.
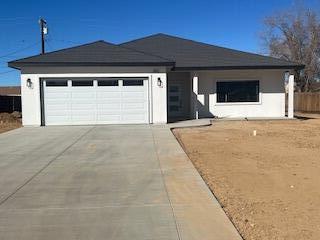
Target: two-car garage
x=77 y=101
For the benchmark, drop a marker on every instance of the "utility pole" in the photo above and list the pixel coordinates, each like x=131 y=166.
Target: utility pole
x=44 y=31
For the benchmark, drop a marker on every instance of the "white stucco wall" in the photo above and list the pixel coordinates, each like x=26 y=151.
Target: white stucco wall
x=30 y=100
x=272 y=94
x=31 y=104
x=159 y=98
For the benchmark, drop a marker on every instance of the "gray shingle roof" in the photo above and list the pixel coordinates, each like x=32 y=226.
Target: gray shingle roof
x=155 y=50
x=96 y=53
x=188 y=54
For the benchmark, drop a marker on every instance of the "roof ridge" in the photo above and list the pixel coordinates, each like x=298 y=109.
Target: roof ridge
x=229 y=49
x=146 y=53
x=138 y=39
x=211 y=45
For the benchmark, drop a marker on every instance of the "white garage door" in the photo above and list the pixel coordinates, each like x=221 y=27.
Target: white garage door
x=95 y=101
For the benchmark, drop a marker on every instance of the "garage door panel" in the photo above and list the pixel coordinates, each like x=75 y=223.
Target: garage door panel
x=57 y=89
x=109 y=95
x=109 y=108
x=133 y=117
x=109 y=102
x=108 y=89
x=132 y=106
x=58 y=96
x=134 y=88
x=109 y=118
x=76 y=105
x=56 y=108
x=59 y=112
x=133 y=95
x=57 y=102
x=82 y=95
x=83 y=107
x=83 y=118
x=58 y=120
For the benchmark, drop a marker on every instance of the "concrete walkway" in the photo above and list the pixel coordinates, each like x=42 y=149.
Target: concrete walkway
x=104 y=182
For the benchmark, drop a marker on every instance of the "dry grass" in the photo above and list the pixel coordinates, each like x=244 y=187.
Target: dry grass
x=9 y=122
x=268 y=184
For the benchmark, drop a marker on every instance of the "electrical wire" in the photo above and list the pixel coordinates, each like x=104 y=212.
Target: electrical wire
x=20 y=50
x=2 y=73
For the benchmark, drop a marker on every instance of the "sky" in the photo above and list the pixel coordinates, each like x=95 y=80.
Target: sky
x=234 y=24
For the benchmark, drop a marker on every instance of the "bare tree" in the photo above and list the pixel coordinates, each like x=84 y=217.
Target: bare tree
x=295 y=36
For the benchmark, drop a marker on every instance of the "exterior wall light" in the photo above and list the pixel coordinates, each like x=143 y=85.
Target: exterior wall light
x=159 y=82
x=29 y=83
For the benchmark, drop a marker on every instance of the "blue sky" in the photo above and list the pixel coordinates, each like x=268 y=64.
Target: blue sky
x=230 y=23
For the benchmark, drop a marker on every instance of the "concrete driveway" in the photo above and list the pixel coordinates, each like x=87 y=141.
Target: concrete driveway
x=103 y=182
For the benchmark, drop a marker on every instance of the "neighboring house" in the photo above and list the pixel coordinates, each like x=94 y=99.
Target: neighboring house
x=10 y=99
x=155 y=79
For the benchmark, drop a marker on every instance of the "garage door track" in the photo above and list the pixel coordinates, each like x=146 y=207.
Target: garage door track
x=103 y=182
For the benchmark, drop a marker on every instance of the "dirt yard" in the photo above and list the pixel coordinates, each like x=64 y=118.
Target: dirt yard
x=9 y=121
x=268 y=184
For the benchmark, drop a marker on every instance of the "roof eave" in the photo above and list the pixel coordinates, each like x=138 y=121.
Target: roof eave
x=19 y=65
x=295 y=67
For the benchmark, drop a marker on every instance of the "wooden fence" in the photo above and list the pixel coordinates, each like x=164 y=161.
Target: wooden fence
x=307 y=102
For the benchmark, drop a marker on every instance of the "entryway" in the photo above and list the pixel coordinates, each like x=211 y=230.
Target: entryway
x=179 y=87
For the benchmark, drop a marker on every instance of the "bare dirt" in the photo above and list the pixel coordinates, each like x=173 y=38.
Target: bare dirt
x=268 y=184
x=9 y=121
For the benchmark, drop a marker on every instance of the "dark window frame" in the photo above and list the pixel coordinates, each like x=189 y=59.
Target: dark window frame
x=240 y=91
x=133 y=82
x=56 y=83
x=76 y=83
x=112 y=83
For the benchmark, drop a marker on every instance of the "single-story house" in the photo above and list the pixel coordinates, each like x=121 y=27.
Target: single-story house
x=155 y=79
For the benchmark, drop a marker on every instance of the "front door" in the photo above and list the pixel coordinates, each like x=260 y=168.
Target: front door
x=175 y=107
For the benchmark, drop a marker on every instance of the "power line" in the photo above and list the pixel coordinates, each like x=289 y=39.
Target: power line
x=20 y=50
x=64 y=41
x=16 y=19
x=2 y=73
x=48 y=43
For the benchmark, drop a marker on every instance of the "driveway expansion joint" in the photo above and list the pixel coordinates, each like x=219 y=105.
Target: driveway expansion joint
x=165 y=186
x=43 y=168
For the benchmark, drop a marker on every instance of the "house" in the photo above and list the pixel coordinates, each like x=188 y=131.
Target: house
x=10 y=99
x=155 y=79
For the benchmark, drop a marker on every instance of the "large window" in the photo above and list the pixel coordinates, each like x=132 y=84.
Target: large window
x=238 y=91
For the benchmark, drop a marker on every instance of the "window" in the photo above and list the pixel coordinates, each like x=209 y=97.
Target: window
x=238 y=91
x=56 y=83
x=174 y=98
x=132 y=82
x=82 y=83
x=174 y=108
x=174 y=89
x=108 y=83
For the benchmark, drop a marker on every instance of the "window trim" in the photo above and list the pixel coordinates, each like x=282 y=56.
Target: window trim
x=237 y=103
